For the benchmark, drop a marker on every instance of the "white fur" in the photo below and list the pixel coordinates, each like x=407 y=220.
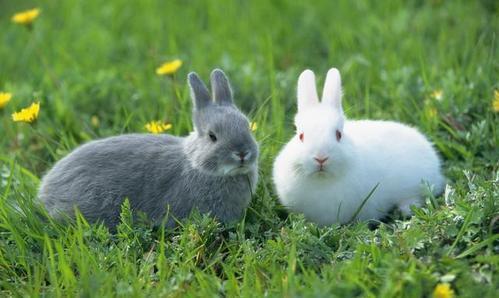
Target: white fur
x=395 y=156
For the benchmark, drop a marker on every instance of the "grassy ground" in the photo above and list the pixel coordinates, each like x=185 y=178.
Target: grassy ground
x=432 y=64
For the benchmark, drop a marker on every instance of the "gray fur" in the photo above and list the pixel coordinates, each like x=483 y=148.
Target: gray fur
x=162 y=172
x=222 y=92
x=199 y=93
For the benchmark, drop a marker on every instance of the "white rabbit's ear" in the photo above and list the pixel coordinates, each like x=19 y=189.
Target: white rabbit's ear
x=307 y=92
x=331 y=95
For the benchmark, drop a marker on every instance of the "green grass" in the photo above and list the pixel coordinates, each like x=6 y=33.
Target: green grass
x=98 y=58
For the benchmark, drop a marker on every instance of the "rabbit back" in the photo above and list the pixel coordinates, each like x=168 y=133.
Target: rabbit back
x=396 y=159
x=99 y=175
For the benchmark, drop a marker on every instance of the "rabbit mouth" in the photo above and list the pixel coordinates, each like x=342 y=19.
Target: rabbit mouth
x=240 y=169
x=321 y=172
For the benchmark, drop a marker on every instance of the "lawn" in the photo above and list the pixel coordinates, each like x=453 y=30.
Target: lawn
x=92 y=66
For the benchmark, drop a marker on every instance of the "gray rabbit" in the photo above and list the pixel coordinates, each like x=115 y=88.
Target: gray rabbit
x=214 y=169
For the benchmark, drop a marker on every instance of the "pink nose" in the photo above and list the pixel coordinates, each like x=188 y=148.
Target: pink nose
x=322 y=160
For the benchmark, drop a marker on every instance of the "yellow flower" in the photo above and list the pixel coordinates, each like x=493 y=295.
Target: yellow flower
x=157 y=127
x=443 y=290
x=94 y=120
x=169 y=67
x=253 y=126
x=495 y=102
x=28 y=114
x=4 y=99
x=437 y=94
x=431 y=112
x=26 y=17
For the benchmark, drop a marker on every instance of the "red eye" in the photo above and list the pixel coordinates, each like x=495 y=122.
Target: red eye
x=301 y=136
x=338 y=135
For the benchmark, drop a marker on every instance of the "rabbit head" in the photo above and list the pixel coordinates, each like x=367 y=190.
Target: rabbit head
x=322 y=148
x=222 y=143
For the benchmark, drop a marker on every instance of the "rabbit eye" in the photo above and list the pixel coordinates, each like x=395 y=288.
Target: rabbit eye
x=301 y=136
x=212 y=136
x=338 y=135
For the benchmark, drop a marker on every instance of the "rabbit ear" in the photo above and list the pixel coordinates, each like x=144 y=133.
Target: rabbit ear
x=222 y=93
x=307 y=92
x=199 y=93
x=331 y=95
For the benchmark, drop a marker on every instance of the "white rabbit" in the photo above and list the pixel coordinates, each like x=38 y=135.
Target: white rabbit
x=329 y=168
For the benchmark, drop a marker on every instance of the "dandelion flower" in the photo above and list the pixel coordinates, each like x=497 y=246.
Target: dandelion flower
x=253 y=126
x=26 y=17
x=495 y=102
x=94 y=120
x=431 y=112
x=4 y=99
x=437 y=94
x=157 y=127
x=28 y=114
x=443 y=290
x=169 y=67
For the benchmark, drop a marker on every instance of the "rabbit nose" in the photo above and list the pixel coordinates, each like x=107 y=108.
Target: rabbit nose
x=242 y=155
x=321 y=160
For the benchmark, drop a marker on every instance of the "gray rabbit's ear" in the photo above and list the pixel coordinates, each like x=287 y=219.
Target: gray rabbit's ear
x=222 y=93
x=199 y=93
